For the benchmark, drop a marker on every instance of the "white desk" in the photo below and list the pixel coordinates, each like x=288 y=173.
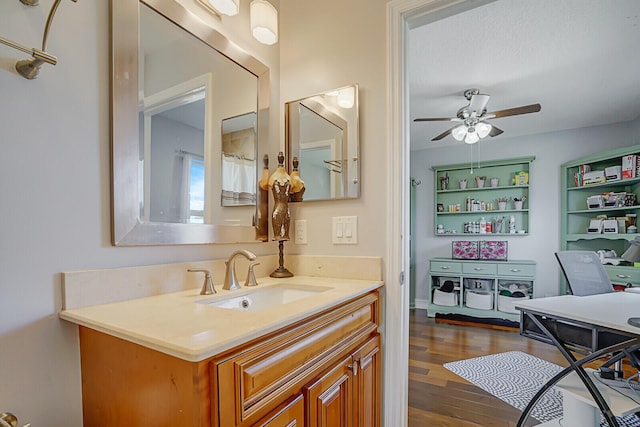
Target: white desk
x=593 y=325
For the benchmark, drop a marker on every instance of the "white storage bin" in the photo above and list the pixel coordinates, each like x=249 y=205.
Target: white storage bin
x=445 y=298
x=508 y=304
x=482 y=301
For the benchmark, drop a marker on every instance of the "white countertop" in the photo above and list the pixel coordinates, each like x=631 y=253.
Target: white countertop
x=174 y=324
x=610 y=310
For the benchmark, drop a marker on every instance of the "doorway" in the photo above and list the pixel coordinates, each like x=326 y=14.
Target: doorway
x=401 y=16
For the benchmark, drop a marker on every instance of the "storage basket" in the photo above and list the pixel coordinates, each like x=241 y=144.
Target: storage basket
x=464 y=249
x=481 y=301
x=508 y=304
x=495 y=250
x=445 y=298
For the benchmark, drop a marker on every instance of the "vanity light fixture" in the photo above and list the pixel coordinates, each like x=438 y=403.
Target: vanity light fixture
x=224 y=7
x=346 y=97
x=264 y=22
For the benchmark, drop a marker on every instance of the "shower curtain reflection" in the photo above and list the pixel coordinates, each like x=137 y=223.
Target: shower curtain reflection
x=238 y=180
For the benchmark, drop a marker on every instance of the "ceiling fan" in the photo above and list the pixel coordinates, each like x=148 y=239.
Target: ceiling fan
x=473 y=117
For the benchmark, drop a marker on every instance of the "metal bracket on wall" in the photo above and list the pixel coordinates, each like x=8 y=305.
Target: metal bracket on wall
x=30 y=68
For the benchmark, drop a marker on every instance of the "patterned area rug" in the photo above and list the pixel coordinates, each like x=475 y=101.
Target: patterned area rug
x=515 y=377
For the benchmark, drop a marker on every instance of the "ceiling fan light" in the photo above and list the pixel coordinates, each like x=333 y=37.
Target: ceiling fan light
x=459 y=132
x=483 y=129
x=471 y=138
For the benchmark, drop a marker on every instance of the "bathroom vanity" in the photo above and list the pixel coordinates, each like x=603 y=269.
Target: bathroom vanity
x=180 y=360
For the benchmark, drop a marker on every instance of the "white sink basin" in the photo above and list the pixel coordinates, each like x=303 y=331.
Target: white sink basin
x=264 y=298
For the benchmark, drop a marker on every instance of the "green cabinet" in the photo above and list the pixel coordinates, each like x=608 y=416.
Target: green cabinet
x=480 y=288
x=578 y=209
x=461 y=201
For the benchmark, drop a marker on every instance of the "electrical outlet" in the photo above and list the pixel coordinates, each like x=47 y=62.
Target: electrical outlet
x=300 y=232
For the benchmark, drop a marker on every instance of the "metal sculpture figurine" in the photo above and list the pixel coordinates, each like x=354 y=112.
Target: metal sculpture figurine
x=280 y=184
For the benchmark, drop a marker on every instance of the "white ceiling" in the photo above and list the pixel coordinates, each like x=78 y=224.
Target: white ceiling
x=579 y=59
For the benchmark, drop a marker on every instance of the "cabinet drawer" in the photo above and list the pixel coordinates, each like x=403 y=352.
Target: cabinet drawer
x=446 y=267
x=478 y=268
x=254 y=379
x=624 y=275
x=520 y=270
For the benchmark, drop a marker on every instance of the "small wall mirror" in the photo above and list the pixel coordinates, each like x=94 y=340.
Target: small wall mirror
x=179 y=88
x=322 y=133
x=239 y=160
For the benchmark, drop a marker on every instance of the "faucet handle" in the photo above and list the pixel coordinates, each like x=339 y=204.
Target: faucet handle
x=251 y=277
x=207 y=286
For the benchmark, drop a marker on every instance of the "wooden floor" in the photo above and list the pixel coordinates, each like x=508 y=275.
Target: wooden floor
x=439 y=398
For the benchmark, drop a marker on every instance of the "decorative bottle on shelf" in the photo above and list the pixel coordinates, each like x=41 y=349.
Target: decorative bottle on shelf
x=483 y=226
x=512 y=225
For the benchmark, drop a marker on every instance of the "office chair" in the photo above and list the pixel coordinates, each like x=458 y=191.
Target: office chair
x=585 y=276
x=584 y=273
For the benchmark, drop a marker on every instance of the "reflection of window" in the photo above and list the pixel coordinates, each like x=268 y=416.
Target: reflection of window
x=196 y=190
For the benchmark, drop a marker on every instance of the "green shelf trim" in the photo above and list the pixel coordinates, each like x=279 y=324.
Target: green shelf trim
x=624 y=208
x=603 y=156
x=607 y=236
x=482 y=212
x=487 y=163
x=503 y=187
x=617 y=183
x=480 y=235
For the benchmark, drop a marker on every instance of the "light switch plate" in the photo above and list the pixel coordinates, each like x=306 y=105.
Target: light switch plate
x=345 y=230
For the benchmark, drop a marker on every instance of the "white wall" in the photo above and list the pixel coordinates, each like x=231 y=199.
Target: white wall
x=55 y=196
x=550 y=150
x=326 y=45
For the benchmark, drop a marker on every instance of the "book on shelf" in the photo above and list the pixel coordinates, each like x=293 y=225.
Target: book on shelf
x=630 y=166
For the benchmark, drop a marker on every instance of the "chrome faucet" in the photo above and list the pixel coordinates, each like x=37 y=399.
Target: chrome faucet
x=230 y=280
x=207 y=286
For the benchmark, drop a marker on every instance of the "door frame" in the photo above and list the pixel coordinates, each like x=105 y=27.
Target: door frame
x=401 y=16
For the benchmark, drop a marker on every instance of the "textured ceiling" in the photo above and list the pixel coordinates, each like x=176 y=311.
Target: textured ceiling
x=578 y=58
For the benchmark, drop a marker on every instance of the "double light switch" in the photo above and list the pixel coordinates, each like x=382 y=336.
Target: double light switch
x=345 y=230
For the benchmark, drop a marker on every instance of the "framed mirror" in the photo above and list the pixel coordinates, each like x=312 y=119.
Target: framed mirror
x=173 y=89
x=322 y=133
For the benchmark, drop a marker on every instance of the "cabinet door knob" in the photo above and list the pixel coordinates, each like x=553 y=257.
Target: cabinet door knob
x=444 y=267
x=514 y=270
x=354 y=367
x=478 y=268
x=623 y=276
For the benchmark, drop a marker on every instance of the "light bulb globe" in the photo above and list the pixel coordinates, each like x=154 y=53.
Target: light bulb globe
x=483 y=129
x=459 y=132
x=471 y=138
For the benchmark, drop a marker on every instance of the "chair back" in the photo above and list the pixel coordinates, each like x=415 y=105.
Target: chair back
x=584 y=273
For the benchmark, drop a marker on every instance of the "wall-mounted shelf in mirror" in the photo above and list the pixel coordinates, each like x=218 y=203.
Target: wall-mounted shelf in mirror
x=173 y=88
x=322 y=133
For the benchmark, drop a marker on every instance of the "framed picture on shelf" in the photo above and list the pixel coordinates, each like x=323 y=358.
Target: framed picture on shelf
x=440 y=207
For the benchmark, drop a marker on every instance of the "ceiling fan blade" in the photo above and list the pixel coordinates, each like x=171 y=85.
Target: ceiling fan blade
x=436 y=119
x=443 y=134
x=478 y=104
x=495 y=131
x=525 y=109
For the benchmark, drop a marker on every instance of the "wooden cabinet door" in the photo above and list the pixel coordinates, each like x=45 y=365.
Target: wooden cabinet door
x=289 y=414
x=367 y=384
x=329 y=399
